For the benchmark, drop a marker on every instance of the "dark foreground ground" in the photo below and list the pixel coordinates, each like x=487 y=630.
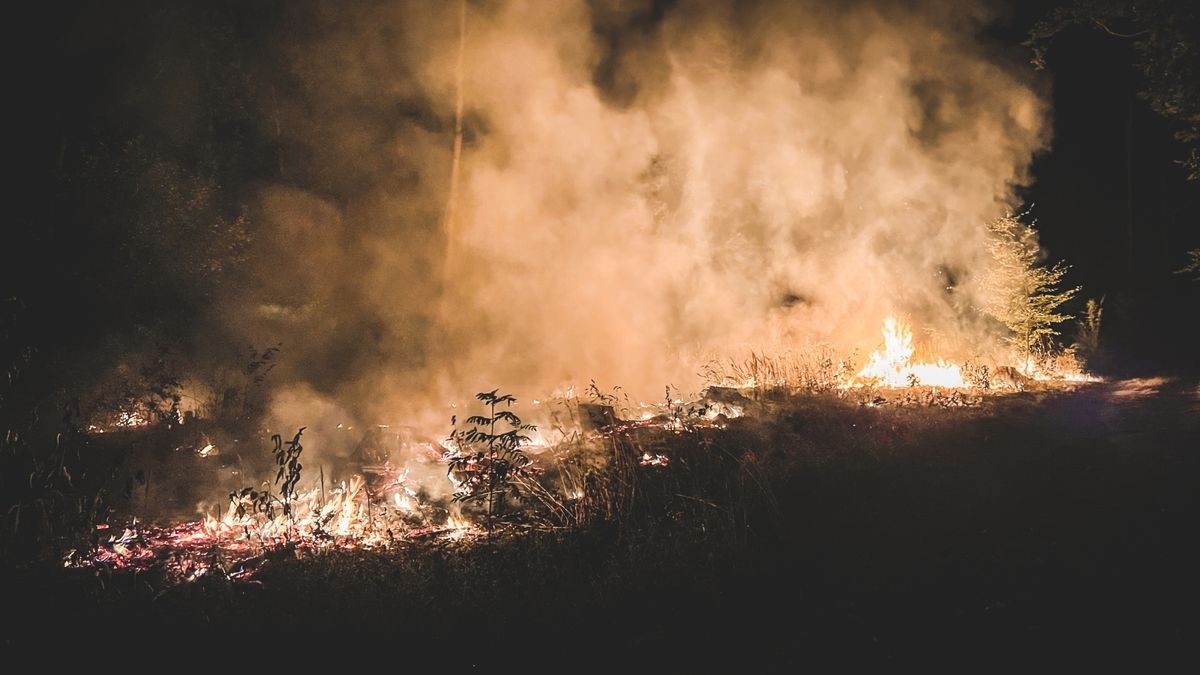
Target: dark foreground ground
x=1040 y=530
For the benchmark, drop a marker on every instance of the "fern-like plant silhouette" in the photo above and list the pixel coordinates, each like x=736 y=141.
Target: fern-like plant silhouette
x=486 y=462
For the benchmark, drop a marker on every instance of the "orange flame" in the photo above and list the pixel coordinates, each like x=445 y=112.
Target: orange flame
x=893 y=367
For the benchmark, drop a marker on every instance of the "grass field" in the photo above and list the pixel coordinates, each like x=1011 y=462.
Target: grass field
x=1040 y=525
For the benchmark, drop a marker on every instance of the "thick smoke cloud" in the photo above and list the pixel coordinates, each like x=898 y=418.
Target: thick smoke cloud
x=642 y=185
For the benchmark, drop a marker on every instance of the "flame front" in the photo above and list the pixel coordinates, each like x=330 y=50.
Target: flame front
x=893 y=367
x=389 y=507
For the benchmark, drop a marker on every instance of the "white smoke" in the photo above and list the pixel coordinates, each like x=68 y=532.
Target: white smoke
x=639 y=189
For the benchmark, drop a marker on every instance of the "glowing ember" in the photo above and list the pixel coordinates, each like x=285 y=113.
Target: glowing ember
x=457 y=527
x=128 y=420
x=121 y=420
x=654 y=460
x=253 y=524
x=893 y=367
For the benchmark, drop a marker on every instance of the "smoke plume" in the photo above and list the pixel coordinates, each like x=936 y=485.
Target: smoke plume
x=642 y=185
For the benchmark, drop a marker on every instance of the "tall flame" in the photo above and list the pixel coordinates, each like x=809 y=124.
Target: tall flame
x=893 y=367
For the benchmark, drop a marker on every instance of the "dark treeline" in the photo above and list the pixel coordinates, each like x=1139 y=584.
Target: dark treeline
x=136 y=145
x=1112 y=195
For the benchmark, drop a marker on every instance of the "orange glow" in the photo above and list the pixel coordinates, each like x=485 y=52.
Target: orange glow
x=892 y=366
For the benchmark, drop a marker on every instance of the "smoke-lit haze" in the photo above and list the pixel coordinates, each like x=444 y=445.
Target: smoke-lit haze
x=640 y=188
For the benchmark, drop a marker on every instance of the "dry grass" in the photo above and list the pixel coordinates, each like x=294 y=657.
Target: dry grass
x=818 y=370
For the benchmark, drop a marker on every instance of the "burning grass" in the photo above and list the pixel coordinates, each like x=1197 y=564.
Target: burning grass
x=893 y=366
x=506 y=477
x=809 y=504
x=671 y=462
x=588 y=478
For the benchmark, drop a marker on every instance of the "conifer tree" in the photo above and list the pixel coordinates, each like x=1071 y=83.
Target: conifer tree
x=1021 y=292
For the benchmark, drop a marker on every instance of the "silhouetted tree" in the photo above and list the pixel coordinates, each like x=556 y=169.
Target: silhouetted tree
x=1087 y=335
x=487 y=463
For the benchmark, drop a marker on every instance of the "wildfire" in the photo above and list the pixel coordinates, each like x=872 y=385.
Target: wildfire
x=347 y=516
x=388 y=508
x=893 y=366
